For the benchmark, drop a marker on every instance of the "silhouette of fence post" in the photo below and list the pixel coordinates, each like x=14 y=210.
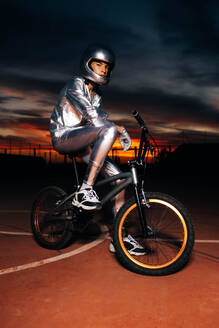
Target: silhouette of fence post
x=135 y=151
x=50 y=157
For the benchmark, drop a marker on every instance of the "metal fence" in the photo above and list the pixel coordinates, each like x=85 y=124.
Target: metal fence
x=50 y=156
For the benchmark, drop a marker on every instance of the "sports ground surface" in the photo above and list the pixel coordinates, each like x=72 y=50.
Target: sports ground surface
x=84 y=285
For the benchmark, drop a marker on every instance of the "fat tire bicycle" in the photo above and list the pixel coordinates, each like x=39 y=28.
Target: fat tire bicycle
x=157 y=221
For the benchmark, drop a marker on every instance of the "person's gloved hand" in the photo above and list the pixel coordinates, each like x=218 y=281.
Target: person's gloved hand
x=124 y=139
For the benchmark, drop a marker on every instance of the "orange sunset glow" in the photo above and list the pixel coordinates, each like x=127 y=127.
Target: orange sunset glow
x=45 y=150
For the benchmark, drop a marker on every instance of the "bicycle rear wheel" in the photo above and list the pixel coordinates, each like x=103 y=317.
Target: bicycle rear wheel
x=55 y=234
x=170 y=235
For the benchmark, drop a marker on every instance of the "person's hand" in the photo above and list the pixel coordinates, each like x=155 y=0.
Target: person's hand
x=90 y=116
x=124 y=139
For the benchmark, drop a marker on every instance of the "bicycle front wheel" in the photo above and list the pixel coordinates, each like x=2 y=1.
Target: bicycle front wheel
x=170 y=239
x=55 y=234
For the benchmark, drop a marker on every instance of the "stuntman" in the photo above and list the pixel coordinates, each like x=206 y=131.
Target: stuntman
x=78 y=123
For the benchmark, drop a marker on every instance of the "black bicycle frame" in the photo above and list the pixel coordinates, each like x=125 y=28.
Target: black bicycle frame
x=128 y=177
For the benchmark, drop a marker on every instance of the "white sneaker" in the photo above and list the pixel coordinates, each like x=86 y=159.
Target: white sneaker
x=86 y=199
x=132 y=246
x=111 y=247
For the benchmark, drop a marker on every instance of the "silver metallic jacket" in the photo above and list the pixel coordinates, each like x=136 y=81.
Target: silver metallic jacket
x=75 y=108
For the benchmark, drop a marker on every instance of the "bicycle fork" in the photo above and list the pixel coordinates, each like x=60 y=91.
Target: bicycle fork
x=140 y=203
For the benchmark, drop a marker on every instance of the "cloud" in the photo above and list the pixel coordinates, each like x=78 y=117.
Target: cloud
x=163 y=108
x=190 y=29
x=20 y=112
x=28 y=130
x=5 y=99
x=189 y=24
x=32 y=123
x=10 y=82
x=167 y=60
x=54 y=41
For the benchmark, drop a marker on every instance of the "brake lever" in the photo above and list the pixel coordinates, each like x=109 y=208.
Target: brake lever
x=144 y=200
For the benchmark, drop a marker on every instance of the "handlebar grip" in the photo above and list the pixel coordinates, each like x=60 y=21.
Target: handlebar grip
x=138 y=119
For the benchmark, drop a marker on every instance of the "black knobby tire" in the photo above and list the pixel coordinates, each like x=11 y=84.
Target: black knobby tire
x=55 y=234
x=171 y=235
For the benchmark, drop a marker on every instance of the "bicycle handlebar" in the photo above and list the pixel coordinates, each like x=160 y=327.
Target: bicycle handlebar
x=144 y=143
x=139 y=120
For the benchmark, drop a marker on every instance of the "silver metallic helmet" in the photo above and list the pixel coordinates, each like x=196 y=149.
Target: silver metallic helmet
x=97 y=53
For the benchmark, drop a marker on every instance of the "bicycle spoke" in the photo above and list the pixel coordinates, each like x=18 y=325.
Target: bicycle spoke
x=50 y=233
x=166 y=241
x=161 y=218
x=166 y=226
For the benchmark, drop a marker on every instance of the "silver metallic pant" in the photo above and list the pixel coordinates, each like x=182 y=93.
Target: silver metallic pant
x=102 y=136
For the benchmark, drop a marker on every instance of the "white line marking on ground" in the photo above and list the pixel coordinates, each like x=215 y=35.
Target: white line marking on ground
x=16 y=233
x=52 y=259
x=62 y=256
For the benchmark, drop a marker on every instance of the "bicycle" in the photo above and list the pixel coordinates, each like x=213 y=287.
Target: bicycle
x=159 y=222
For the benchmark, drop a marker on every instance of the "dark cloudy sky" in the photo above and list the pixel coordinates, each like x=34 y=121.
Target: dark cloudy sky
x=167 y=62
